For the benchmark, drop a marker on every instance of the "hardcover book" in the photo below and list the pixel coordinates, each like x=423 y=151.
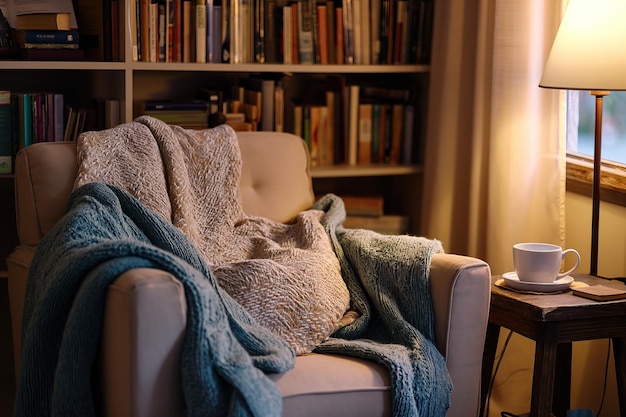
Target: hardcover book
x=43 y=21
x=6 y=133
x=600 y=292
x=33 y=36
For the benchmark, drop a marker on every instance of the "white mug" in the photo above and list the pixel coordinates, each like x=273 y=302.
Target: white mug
x=541 y=262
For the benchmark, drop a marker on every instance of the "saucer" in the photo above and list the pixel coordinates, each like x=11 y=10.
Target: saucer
x=511 y=279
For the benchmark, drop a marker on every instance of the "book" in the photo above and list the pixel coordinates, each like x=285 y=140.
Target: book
x=353 y=124
x=176 y=105
x=407 y=145
x=397 y=128
x=363 y=205
x=23 y=108
x=201 y=30
x=600 y=292
x=386 y=224
x=348 y=32
x=330 y=31
x=339 y=42
x=43 y=21
x=12 y=8
x=305 y=32
x=28 y=45
x=35 y=36
x=267 y=113
x=6 y=133
x=279 y=109
x=365 y=134
x=322 y=27
x=287 y=35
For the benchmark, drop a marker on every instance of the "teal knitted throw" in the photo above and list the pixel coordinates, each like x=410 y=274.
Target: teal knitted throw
x=389 y=289
x=105 y=233
x=225 y=354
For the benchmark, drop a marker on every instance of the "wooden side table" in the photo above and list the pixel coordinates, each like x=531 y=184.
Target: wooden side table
x=554 y=321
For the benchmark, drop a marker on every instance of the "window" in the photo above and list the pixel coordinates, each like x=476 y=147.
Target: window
x=580 y=138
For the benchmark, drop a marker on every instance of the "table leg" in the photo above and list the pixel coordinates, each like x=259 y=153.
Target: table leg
x=619 y=353
x=489 y=355
x=543 y=373
x=562 y=379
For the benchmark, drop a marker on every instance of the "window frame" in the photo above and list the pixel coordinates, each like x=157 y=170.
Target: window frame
x=579 y=167
x=579 y=178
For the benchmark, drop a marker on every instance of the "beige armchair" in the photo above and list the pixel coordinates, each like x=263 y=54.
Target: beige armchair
x=145 y=312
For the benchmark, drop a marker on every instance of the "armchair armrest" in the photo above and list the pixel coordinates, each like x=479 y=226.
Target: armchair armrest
x=461 y=294
x=142 y=337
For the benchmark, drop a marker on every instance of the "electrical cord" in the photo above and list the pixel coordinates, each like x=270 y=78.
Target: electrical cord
x=495 y=371
x=606 y=377
x=499 y=361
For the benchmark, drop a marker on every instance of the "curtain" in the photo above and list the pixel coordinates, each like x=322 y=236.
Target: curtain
x=494 y=168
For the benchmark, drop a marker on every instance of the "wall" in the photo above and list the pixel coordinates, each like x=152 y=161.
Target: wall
x=590 y=357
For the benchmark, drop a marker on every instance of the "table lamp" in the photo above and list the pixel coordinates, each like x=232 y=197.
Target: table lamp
x=589 y=53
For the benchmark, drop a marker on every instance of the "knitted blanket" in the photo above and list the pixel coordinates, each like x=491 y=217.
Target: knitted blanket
x=106 y=232
x=394 y=321
x=191 y=179
x=228 y=346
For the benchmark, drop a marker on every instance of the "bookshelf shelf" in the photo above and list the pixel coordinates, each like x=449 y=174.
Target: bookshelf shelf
x=130 y=83
x=379 y=170
x=281 y=68
x=63 y=65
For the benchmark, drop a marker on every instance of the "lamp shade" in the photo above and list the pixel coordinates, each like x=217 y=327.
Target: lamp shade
x=589 y=51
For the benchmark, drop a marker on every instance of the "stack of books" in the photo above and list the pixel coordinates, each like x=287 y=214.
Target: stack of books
x=47 y=36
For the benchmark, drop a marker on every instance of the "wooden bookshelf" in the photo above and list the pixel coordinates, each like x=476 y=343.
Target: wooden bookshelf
x=132 y=82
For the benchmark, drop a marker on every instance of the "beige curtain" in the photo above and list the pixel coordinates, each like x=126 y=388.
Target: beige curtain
x=495 y=150
x=494 y=169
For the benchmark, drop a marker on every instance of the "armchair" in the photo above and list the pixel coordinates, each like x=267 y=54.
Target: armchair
x=145 y=309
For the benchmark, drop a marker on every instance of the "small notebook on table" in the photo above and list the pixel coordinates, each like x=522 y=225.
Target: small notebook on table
x=600 y=292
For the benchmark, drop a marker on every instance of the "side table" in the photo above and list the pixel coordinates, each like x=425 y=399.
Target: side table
x=554 y=321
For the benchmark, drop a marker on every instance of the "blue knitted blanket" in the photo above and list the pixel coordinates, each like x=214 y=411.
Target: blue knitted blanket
x=225 y=354
x=388 y=279
x=106 y=232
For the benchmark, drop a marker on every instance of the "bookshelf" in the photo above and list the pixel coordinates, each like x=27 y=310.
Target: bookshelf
x=133 y=82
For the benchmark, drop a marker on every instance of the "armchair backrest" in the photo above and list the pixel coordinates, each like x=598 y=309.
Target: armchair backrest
x=275 y=181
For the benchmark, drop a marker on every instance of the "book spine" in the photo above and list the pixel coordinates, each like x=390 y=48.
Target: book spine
x=6 y=133
x=267 y=113
x=287 y=34
x=322 y=26
x=353 y=125
x=169 y=37
x=216 y=31
x=29 y=45
x=348 y=33
x=48 y=36
x=330 y=32
x=305 y=32
x=259 y=31
x=339 y=40
x=271 y=31
x=365 y=134
x=59 y=113
x=407 y=144
x=210 y=30
x=153 y=32
x=162 y=29
x=178 y=31
x=201 y=30
x=160 y=105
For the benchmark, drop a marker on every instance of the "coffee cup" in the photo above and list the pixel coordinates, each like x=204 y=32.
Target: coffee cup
x=541 y=262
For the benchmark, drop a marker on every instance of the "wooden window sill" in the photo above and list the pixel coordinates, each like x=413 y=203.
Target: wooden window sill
x=579 y=173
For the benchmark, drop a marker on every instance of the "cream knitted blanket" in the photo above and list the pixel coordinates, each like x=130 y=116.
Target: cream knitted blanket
x=286 y=275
